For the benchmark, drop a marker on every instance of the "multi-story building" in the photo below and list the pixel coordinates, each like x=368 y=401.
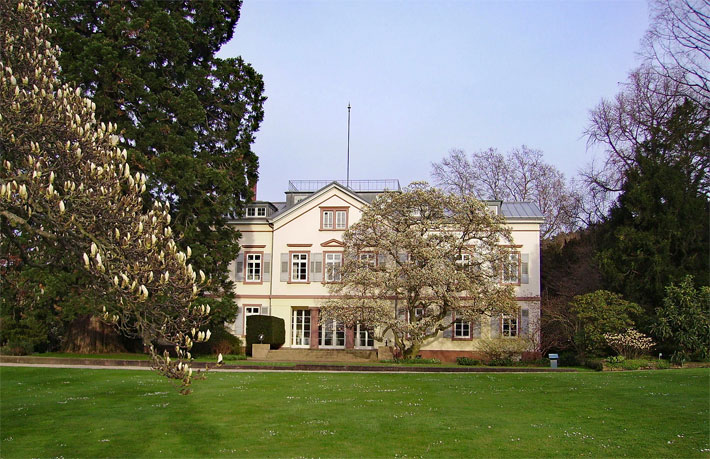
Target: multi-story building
x=288 y=248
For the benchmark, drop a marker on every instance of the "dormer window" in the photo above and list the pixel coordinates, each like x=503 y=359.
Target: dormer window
x=333 y=219
x=256 y=211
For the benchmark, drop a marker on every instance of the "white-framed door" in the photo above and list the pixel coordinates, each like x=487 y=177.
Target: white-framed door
x=300 y=328
x=331 y=335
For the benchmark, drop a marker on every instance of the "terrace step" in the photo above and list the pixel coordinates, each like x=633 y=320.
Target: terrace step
x=321 y=355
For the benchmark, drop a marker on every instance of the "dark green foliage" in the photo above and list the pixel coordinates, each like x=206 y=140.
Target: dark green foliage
x=594 y=364
x=598 y=313
x=501 y=362
x=659 y=231
x=220 y=342
x=273 y=329
x=188 y=118
x=467 y=361
x=683 y=322
x=568 y=359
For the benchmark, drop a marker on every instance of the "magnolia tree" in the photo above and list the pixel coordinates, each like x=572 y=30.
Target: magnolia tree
x=65 y=186
x=415 y=261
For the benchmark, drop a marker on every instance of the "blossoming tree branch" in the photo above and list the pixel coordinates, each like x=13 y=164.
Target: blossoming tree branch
x=416 y=261
x=65 y=186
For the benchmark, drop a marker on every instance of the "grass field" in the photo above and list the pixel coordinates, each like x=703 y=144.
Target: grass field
x=117 y=413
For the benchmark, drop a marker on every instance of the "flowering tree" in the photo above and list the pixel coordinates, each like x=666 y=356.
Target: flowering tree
x=65 y=188
x=630 y=344
x=415 y=260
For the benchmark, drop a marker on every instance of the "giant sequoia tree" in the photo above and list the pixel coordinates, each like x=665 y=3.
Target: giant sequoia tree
x=187 y=118
x=68 y=197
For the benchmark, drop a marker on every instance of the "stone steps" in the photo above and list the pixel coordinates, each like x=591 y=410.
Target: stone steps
x=321 y=355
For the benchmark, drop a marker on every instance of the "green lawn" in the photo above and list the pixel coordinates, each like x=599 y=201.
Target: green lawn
x=101 y=413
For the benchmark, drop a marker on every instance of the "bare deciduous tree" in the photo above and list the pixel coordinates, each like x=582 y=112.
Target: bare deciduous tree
x=677 y=44
x=521 y=175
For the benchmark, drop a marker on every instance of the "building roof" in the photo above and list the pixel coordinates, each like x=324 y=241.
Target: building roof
x=527 y=210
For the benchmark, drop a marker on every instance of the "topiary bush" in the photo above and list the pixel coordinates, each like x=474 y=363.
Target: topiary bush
x=273 y=329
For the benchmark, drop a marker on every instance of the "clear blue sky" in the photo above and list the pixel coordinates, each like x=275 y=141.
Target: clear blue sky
x=425 y=77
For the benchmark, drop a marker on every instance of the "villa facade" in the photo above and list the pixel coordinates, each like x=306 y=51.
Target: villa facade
x=289 y=250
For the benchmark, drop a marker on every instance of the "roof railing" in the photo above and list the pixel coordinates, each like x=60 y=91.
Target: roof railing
x=360 y=186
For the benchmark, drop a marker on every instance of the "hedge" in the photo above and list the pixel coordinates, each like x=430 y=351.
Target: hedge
x=273 y=329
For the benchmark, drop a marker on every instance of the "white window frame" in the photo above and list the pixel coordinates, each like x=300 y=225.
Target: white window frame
x=332 y=266
x=298 y=264
x=302 y=340
x=509 y=275
x=341 y=223
x=328 y=217
x=462 y=329
x=367 y=334
x=508 y=326
x=253 y=274
x=463 y=259
x=331 y=326
x=256 y=211
x=369 y=258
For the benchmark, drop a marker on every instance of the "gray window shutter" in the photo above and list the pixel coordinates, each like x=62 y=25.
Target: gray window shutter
x=495 y=327
x=525 y=322
x=239 y=322
x=402 y=314
x=265 y=310
x=402 y=257
x=316 y=267
x=284 y=267
x=239 y=269
x=476 y=328
x=524 y=259
x=381 y=259
x=448 y=332
x=267 y=268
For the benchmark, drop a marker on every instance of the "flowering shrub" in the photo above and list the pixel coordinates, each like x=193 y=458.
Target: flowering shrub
x=630 y=344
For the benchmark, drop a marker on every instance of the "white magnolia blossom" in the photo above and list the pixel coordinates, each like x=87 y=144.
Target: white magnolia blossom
x=65 y=181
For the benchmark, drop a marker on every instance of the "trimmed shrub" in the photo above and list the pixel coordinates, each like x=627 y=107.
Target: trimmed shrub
x=468 y=361
x=569 y=359
x=273 y=329
x=594 y=364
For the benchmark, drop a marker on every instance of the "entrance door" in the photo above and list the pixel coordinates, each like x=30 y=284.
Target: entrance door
x=301 y=328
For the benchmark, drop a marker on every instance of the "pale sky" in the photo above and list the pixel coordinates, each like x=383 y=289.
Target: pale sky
x=426 y=77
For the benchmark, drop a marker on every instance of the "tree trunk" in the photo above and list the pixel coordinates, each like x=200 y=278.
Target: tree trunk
x=89 y=335
x=412 y=351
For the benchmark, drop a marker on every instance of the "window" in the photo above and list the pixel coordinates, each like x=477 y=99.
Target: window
x=256 y=211
x=462 y=329
x=511 y=268
x=463 y=259
x=509 y=326
x=334 y=219
x=331 y=334
x=418 y=313
x=253 y=262
x=364 y=336
x=299 y=267
x=341 y=219
x=333 y=262
x=368 y=259
x=327 y=219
